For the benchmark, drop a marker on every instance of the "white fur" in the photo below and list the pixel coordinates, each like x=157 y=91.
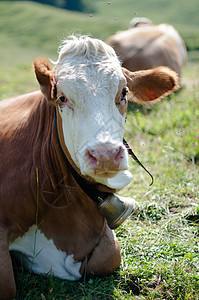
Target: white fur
x=41 y=256
x=118 y=182
x=88 y=73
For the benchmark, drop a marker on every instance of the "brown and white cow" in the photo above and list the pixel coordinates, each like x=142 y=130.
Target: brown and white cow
x=144 y=46
x=44 y=214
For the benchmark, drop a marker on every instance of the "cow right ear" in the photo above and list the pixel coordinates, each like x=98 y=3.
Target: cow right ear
x=149 y=86
x=45 y=74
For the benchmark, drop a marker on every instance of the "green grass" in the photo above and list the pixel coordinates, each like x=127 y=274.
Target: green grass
x=38 y=28
x=160 y=249
x=178 y=12
x=183 y=15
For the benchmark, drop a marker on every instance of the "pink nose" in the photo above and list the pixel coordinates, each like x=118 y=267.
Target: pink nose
x=105 y=157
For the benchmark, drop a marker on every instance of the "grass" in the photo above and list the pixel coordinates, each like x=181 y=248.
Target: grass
x=159 y=242
x=182 y=15
x=177 y=11
x=39 y=28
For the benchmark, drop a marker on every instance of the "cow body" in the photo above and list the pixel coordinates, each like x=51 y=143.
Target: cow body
x=45 y=215
x=147 y=46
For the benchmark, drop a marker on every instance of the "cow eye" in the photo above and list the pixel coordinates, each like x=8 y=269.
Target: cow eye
x=124 y=92
x=123 y=99
x=63 y=99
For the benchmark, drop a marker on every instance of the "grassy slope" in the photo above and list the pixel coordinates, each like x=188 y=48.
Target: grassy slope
x=177 y=12
x=182 y=14
x=39 y=28
x=159 y=247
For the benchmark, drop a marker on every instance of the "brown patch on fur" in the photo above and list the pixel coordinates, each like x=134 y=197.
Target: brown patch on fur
x=105 y=257
x=44 y=74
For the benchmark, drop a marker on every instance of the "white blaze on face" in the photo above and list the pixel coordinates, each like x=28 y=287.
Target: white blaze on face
x=92 y=124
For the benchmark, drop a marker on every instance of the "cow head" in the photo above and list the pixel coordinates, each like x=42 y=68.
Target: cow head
x=91 y=100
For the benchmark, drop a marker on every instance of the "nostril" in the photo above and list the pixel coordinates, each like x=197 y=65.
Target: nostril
x=91 y=158
x=119 y=154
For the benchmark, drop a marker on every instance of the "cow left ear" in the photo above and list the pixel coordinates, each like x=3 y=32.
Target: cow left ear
x=149 y=86
x=44 y=74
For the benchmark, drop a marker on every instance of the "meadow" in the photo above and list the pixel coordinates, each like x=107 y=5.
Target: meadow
x=160 y=240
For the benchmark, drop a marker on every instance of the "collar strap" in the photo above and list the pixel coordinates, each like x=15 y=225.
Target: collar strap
x=85 y=185
x=130 y=152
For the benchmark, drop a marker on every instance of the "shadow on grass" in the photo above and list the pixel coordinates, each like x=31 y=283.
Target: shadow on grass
x=31 y=286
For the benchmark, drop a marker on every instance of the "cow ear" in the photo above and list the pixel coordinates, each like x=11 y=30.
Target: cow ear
x=44 y=74
x=149 y=86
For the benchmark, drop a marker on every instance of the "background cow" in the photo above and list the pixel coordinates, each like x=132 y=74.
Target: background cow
x=75 y=124
x=145 y=46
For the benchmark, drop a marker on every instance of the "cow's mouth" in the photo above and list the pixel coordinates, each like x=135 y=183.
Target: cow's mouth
x=106 y=174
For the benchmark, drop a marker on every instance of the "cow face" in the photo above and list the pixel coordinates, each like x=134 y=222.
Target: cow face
x=91 y=99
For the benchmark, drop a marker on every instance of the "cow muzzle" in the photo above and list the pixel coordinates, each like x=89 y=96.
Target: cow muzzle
x=106 y=159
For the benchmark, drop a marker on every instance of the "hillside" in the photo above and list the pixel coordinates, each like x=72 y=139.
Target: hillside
x=180 y=13
x=39 y=28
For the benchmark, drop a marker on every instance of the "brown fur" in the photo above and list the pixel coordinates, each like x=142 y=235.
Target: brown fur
x=150 y=86
x=142 y=48
x=26 y=143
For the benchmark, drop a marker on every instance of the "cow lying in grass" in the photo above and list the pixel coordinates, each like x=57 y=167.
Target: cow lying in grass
x=70 y=131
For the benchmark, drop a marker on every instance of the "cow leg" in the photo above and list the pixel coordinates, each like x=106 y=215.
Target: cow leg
x=7 y=281
x=106 y=256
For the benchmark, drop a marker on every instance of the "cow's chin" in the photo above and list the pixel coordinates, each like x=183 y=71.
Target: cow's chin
x=117 y=180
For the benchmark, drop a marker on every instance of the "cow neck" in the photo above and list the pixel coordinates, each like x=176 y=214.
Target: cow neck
x=88 y=187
